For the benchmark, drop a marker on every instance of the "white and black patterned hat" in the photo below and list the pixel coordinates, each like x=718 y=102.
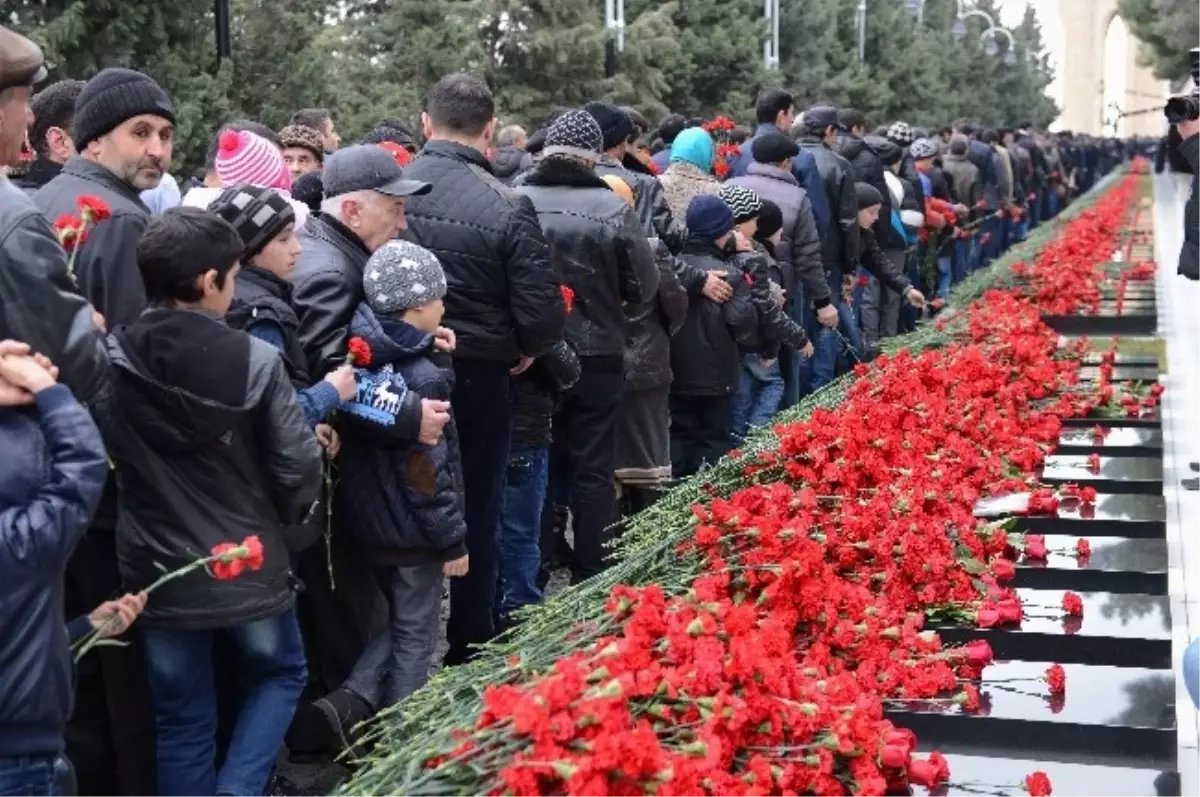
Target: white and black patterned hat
x=901 y=133
x=923 y=148
x=257 y=213
x=744 y=203
x=575 y=133
x=401 y=276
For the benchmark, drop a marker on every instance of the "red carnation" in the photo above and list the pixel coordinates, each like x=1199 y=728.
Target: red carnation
x=986 y=618
x=1094 y=463
x=93 y=208
x=568 y=296
x=1088 y=495
x=924 y=772
x=1003 y=569
x=1037 y=785
x=358 y=352
x=970 y=697
x=1056 y=678
x=1072 y=604
x=1083 y=548
x=1157 y=389
x=1035 y=546
x=235 y=559
x=978 y=652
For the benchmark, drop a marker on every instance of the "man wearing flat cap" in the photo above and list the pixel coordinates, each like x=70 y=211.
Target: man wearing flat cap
x=38 y=304
x=123 y=130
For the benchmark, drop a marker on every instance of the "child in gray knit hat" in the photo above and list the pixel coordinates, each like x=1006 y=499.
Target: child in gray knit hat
x=403 y=499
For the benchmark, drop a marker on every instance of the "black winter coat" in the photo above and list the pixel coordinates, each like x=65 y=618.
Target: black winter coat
x=503 y=299
x=598 y=248
x=650 y=325
x=840 y=241
x=649 y=203
x=210 y=447
x=51 y=477
x=775 y=326
x=40 y=172
x=259 y=295
x=706 y=354
x=106 y=265
x=403 y=501
x=327 y=287
x=1189 y=255
x=536 y=394
x=38 y=303
x=868 y=168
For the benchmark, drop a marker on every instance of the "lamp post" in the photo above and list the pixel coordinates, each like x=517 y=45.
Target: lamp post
x=221 y=15
x=771 y=45
x=861 y=14
x=614 y=23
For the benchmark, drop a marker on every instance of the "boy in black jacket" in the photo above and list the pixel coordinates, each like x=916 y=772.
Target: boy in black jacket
x=402 y=500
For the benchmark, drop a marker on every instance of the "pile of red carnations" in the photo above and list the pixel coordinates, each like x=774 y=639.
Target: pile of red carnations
x=771 y=674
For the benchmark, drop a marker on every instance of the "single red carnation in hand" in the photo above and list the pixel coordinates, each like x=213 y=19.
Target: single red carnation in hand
x=1037 y=785
x=1072 y=604
x=93 y=208
x=359 y=352
x=254 y=549
x=568 y=296
x=1056 y=678
x=230 y=566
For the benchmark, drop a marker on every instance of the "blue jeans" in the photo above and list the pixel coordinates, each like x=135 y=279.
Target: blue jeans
x=397 y=661
x=521 y=527
x=270 y=663
x=830 y=349
x=962 y=259
x=945 y=276
x=760 y=389
x=35 y=776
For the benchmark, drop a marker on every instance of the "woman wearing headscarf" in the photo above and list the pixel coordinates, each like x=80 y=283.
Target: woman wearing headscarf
x=690 y=173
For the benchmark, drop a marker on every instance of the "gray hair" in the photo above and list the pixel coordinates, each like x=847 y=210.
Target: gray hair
x=509 y=135
x=332 y=205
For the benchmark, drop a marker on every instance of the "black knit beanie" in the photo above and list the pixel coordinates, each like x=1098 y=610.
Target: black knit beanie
x=770 y=220
x=614 y=123
x=114 y=96
x=868 y=195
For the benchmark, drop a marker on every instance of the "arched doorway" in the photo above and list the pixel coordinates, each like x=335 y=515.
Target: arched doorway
x=1116 y=77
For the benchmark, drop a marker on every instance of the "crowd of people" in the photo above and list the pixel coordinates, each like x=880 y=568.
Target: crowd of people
x=454 y=351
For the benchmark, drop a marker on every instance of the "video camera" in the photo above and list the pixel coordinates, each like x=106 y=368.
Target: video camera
x=1186 y=107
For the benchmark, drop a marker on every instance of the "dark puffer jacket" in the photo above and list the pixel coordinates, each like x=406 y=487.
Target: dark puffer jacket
x=650 y=325
x=837 y=178
x=259 y=295
x=868 y=168
x=210 y=446
x=706 y=353
x=598 y=248
x=106 y=264
x=51 y=478
x=536 y=394
x=649 y=203
x=503 y=299
x=403 y=502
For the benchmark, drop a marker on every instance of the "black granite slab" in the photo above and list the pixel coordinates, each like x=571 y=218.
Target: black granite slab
x=1103 y=710
x=1095 y=358
x=1118 y=441
x=1121 y=630
x=1132 y=304
x=1152 y=419
x=1117 y=475
x=1131 y=289
x=1103 y=326
x=1122 y=373
x=1001 y=774
x=1124 y=516
x=1116 y=564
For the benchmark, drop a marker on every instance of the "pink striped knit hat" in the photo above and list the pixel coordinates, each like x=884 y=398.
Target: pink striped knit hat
x=243 y=157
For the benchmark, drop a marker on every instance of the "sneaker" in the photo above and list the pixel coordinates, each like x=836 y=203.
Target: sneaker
x=343 y=710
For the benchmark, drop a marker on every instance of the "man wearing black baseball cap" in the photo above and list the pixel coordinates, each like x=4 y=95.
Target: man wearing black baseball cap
x=41 y=307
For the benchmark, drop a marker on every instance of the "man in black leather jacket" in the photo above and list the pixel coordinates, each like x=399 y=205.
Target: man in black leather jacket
x=837 y=176
x=38 y=303
x=599 y=247
x=503 y=304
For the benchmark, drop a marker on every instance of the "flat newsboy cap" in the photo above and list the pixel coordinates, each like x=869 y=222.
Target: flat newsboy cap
x=21 y=61
x=773 y=148
x=114 y=96
x=366 y=167
x=820 y=117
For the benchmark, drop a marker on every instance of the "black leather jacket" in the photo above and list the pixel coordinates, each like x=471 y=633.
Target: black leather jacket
x=106 y=265
x=38 y=303
x=503 y=299
x=706 y=354
x=650 y=325
x=536 y=395
x=327 y=288
x=837 y=176
x=649 y=203
x=598 y=248
x=868 y=168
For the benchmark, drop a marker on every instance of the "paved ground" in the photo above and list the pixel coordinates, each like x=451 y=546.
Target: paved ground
x=322 y=777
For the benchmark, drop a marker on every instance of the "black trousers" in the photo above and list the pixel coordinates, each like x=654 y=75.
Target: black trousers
x=482 y=412
x=699 y=431
x=110 y=735
x=583 y=458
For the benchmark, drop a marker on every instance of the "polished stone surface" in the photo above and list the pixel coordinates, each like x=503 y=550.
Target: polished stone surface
x=1110 y=516
x=1152 y=419
x=1095 y=358
x=977 y=774
x=1117 y=475
x=1128 y=323
x=1116 y=564
x=1119 y=441
x=1122 y=373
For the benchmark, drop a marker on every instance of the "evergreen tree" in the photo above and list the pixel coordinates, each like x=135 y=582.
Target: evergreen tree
x=1166 y=30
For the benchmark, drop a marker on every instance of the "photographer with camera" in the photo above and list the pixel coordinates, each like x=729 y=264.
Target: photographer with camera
x=1183 y=112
